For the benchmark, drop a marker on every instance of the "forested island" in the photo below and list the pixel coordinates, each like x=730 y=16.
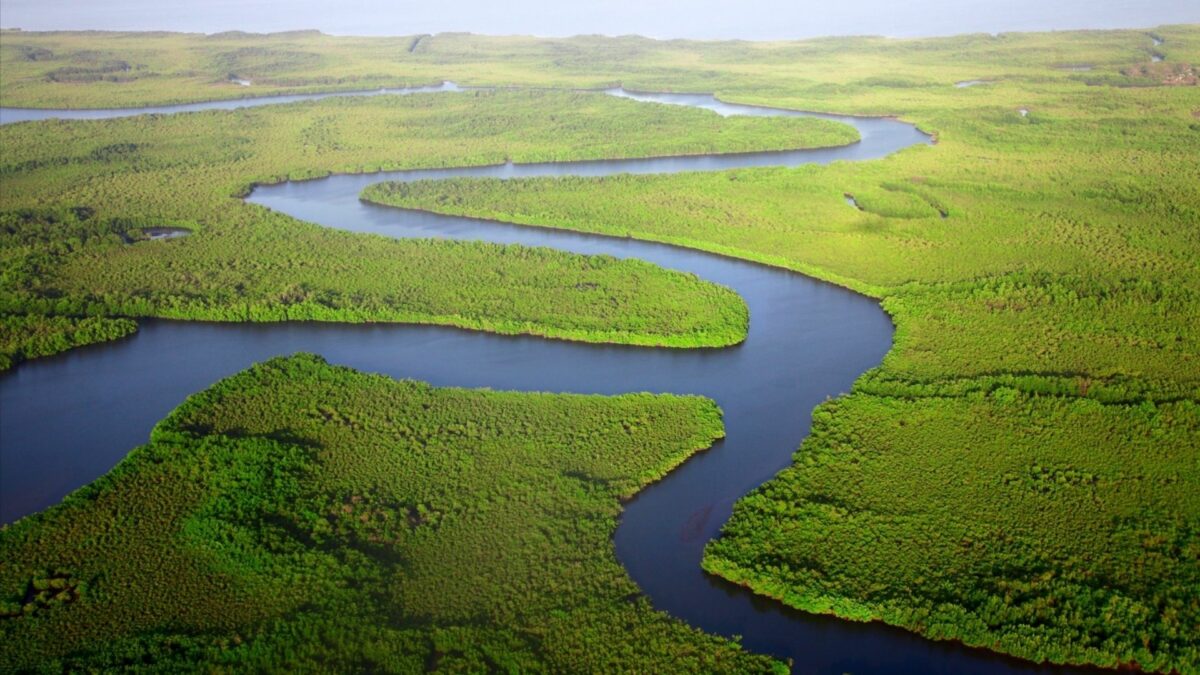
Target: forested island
x=301 y=516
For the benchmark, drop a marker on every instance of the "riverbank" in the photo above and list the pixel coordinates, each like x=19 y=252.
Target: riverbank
x=241 y=263
x=1037 y=266
x=225 y=542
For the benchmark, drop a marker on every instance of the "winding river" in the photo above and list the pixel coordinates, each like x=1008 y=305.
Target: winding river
x=68 y=419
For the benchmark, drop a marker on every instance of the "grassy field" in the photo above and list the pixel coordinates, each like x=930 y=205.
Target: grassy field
x=304 y=517
x=78 y=196
x=1021 y=472
x=95 y=69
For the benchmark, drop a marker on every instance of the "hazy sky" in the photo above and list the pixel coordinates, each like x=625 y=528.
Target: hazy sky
x=747 y=19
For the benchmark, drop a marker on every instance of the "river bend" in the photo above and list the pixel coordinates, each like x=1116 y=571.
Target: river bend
x=68 y=419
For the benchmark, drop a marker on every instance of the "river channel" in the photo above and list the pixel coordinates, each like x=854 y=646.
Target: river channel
x=68 y=419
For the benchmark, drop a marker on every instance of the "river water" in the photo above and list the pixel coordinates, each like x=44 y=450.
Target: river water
x=68 y=419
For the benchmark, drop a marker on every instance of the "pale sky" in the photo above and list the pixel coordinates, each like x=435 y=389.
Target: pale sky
x=745 y=19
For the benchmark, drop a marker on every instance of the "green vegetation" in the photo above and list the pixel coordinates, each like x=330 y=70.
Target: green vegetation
x=78 y=195
x=847 y=73
x=29 y=336
x=304 y=517
x=1020 y=473
x=1056 y=528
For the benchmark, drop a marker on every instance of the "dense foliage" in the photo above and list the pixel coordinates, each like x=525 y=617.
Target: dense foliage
x=1020 y=473
x=304 y=517
x=1056 y=528
x=26 y=336
x=78 y=195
